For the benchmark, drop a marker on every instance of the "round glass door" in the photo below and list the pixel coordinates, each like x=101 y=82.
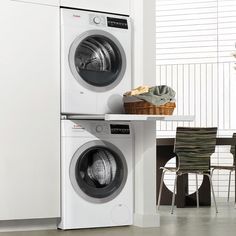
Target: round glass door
x=98 y=171
x=97 y=60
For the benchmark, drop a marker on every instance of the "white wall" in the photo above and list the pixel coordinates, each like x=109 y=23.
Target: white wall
x=144 y=72
x=30 y=111
x=42 y=2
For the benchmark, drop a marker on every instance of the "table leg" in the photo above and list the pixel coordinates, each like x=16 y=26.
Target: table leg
x=204 y=193
x=163 y=155
x=235 y=175
x=182 y=191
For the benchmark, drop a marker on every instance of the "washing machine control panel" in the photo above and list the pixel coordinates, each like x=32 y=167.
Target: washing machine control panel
x=119 y=129
x=112 y=129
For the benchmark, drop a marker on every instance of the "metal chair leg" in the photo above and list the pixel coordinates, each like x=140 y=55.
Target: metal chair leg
x=212 y=171
x=229 y=185
x=160 y=190
x=212 y=189
x=173 y=195
x=197 y=194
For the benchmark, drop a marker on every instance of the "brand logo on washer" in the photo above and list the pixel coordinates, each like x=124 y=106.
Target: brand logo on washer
x=77 y=126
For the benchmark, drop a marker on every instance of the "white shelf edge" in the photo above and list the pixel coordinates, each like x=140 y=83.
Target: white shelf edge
x=83 y=117
x=127 y=117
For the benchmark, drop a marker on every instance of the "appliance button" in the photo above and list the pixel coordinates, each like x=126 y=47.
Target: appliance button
x=97 y=20
x=99 y=128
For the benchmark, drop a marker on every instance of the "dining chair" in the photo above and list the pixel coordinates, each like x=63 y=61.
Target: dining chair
x=230 y=168
x=193 y=148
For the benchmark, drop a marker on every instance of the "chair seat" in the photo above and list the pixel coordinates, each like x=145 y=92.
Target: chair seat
x=185 y=171
x=172 y=169
x=223 y=167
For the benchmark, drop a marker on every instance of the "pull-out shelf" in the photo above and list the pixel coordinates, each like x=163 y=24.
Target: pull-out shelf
x=128 y=117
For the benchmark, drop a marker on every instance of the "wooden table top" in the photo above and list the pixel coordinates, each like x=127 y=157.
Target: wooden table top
x=219 y=141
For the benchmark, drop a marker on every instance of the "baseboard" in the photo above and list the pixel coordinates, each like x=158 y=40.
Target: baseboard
x=147 y=221
x=28 y=225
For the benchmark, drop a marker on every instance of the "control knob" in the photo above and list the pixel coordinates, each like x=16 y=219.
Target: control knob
x=97 y=20
x=99 y=128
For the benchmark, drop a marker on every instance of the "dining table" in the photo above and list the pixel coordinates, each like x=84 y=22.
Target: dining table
x=164 y=152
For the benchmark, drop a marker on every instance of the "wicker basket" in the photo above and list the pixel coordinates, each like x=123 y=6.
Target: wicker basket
x=143 y=107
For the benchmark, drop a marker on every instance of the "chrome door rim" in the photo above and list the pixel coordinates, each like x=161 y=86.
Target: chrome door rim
x=75 y=159
x=75 y=73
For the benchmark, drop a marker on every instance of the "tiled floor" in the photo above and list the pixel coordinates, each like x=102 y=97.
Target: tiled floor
x=184 y=222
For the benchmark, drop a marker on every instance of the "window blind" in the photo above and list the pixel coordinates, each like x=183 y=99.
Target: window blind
x=186 y=32
x=195 y=40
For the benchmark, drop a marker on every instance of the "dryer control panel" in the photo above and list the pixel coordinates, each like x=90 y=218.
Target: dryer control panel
x=117 y=22
x=101 y=20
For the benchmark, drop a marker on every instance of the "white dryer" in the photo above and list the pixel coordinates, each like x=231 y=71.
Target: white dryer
x=95 y=61
x=97 y=174
x=118 y=7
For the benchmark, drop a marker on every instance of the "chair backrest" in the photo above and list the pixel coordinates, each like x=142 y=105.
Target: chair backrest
x=194 y=147
x=232 y=150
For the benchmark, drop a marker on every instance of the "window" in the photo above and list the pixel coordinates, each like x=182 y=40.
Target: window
x=195 y=40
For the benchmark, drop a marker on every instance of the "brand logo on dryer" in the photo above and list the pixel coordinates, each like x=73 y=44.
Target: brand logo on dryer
x=76 y=16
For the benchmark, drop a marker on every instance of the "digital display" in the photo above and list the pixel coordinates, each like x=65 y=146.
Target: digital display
x=117 y=23
x=119 y=129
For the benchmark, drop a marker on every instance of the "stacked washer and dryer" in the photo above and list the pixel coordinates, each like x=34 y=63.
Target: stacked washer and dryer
x=96 y=155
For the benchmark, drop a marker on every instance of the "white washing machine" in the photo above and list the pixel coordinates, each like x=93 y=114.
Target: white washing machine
x=95 y=61
x=96 y=174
